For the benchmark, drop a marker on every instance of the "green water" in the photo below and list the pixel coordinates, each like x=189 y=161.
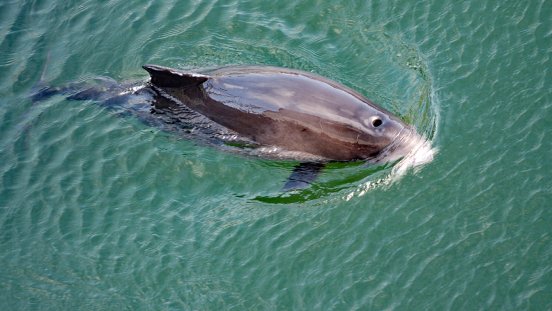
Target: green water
x=99 y=212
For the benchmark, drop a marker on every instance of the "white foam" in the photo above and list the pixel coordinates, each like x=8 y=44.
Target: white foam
x=419 y=152
x=422 y=153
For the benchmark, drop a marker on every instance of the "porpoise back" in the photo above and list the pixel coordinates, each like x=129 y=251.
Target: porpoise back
x=290 y=109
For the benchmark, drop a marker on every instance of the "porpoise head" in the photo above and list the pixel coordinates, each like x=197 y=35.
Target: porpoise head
x=388 y=135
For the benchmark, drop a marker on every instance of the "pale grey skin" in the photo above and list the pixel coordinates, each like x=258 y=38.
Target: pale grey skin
x=290 y=109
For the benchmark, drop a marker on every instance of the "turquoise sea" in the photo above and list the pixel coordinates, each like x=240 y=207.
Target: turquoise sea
x=101 y=212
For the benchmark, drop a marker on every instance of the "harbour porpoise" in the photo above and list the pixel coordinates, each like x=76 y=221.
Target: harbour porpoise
x=277 y=112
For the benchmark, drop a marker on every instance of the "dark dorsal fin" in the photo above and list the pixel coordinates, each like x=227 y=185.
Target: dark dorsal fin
x=168 y=77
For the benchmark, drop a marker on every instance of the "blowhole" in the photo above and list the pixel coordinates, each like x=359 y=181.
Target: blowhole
x=376 y=122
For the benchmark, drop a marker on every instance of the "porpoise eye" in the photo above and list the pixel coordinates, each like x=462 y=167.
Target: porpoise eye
x=376 y=122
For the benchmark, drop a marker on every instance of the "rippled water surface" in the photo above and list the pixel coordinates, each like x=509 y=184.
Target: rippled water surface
x=99 y=212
